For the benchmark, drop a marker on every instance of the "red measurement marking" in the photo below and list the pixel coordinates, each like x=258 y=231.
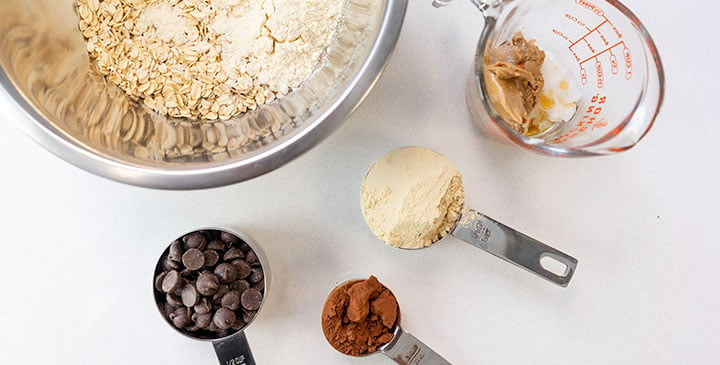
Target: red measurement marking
x=588 y=33
x=590 y=6
x=600 y=99
x=591 y=120
x=583 y=76
x=613 y=63
x=577 y=58
x=579 y=22
x=602 y=36
x=600 y=124
x=607 y=20
x=594 y=110
x=605 y=50
x=600 y=77
x=628 y=63
x=584 y=121
x=590 y=47
x=561 y=35
x=617 y=32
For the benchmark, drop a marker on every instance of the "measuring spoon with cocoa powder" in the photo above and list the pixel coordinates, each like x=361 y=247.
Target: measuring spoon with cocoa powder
x=413 y=197
x=362 y=318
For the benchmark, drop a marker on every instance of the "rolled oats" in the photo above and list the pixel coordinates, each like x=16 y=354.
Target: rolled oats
x=207 y=59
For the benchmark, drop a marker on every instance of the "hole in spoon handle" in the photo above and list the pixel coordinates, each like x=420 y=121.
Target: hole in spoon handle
x=510 y=245
x=406 y=349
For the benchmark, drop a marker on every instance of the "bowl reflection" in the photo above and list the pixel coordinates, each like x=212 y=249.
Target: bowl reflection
x=71 y=110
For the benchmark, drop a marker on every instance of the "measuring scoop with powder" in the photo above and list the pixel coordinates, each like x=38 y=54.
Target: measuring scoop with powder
x=412 y=197
x=362 y=317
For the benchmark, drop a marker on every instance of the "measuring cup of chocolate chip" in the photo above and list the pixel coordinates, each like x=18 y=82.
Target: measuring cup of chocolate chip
x=564 y=77
x=209 y=285
x=412 y=197
x=362 y=317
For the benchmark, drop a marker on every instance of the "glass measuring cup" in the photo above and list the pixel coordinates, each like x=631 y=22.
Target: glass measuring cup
x=414 y=192
x=612 y=60
x=231 y=346
x=403 y=347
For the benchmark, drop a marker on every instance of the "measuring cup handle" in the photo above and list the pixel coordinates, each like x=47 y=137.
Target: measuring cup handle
x=482 y=5
x=510 y=245
x=406 y=349
x=234 y=350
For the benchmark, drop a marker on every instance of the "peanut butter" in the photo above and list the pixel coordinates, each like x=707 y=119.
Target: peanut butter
x=514 y=81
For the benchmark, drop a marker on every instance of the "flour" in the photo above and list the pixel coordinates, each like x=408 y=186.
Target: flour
x=208 y=58
x=279 y=42
x=166 y=20
x=412 y=197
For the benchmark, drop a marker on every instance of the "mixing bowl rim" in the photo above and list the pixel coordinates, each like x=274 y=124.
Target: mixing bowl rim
x=316 y=128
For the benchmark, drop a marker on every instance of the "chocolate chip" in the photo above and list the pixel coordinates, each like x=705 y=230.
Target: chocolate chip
x=251 y=299
x=192 y=327
x=233 y=253
x=251 y=258
x=175 y=253
x=190 y=295
x=249 y=315
x=203 y=306
x=226 y=272
x=195 y=240
x=193 y=259
x=202 y=320
x=224 y=318
x=259 y=286
x=212 y=327
x=173 y=299
x=256 y=275
x=171 y=281
x=207 y=283
x=231 y=300
x=211 y=258
x=239 y=324
x=170 y=264
x=189 y=275
x=212 y=284
x=216 y=245
x=168 y=308
x=222 y=290
x=242 y=267
x=240 y=285
x=159 y=280
x=229 y=237
x=180 y=317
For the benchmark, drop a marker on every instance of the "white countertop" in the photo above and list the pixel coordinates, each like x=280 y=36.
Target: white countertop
x=78 y=250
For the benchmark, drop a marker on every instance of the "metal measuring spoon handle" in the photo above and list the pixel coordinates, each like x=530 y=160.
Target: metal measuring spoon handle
x=234 y=350
x=406 y=349
x=512 y=246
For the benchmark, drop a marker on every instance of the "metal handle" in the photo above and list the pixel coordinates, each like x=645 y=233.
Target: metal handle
x=406 y=349
x=234 y=350
x=482 y=5
x=441 y=3
x=510 y=245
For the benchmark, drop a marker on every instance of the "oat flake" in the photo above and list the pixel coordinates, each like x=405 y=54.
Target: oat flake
x=207 y=59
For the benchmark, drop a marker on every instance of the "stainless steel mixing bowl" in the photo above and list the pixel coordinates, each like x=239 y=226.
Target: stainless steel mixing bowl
x=67 y=107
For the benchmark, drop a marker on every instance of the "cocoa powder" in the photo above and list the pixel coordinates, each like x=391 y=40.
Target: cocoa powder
x=359 y=316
